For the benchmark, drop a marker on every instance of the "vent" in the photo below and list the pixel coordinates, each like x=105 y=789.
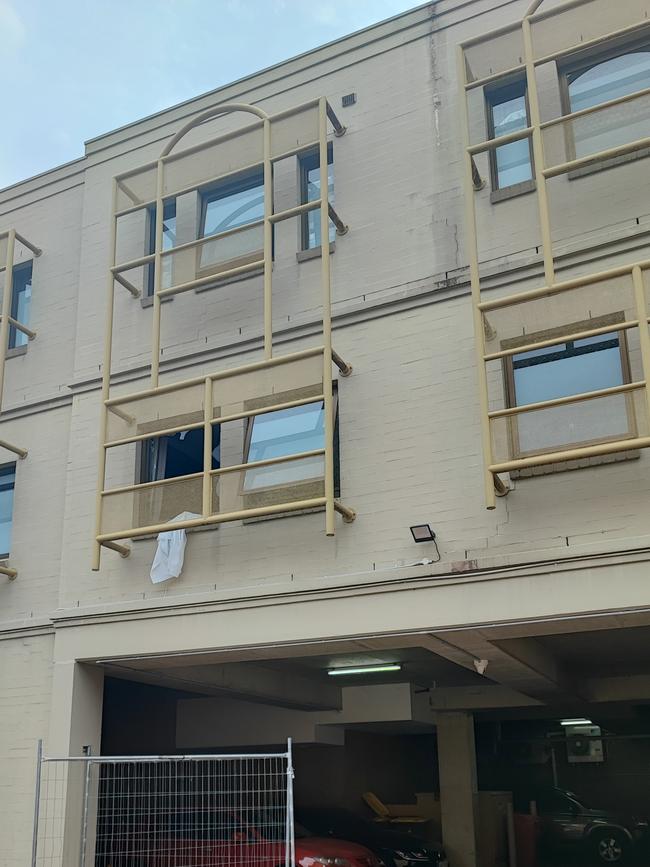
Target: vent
x=348 y=99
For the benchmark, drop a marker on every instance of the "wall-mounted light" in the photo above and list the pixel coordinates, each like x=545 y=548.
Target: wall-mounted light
x=422 y=533
x=576 y=722
x=365 y=669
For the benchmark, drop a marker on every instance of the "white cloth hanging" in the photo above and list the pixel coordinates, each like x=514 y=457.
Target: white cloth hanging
x=170 y=553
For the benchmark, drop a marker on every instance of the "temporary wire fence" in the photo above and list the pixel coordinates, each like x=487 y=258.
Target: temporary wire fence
x=165 y=811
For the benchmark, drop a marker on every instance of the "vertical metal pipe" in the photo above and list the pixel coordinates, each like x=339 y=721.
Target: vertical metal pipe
x=157 y=275
x=644 y=334
x=37 y=800
x=7 y=296
x=207 y=447
x=268 y=242
x=538 y=154
x=84 y=819
x=328 y=398
x=475 y=280
x=106 y=380
x=290 y=854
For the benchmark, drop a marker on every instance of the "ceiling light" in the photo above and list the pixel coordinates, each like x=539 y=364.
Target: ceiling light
x=576 y=722
x=365 y=669
x=422 y=533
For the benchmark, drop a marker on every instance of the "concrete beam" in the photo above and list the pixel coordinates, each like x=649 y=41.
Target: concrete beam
x=521 y=664
x=475 y=698
x=248 y=682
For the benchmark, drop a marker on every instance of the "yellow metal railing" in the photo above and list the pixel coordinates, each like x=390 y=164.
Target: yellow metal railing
x=516 y=41
x=225 y=396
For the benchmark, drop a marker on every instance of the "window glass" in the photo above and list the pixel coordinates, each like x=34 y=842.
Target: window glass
x=20 y=303
x=286 y=432
x=234 y=204
x=179 y=454
x=7 y=481
x=168 y=241
x=509 y=114
x=310 y=192
x=617 y=76
x=563 y=370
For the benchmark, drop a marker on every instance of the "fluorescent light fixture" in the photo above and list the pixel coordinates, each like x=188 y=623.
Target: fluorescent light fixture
x=576 y=722
x=422 y=533
x=365 y=669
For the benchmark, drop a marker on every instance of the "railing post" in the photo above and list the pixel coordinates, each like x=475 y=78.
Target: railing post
x=207 y=447
x=290 y=844
x=157 y=275
x=84 y=820
x=106 y=381
x=475 y=280
x=328 y=397
x=268 y=242
x=7 y=296
x=644 y=335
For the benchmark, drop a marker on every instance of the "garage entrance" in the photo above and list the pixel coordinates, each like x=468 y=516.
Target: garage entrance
x=494 y=747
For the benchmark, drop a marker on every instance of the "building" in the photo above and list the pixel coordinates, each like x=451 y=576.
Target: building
x=463 y=345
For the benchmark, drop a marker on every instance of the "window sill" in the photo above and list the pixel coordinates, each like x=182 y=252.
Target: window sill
x=568 y=466
x=147 y=300
x=604 y=165
x=313 y=252
x=16 y=351
x=239 y=278
x=512 y=192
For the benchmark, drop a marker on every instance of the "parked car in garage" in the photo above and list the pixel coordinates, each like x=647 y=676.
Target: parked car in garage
x=395 y=847
x=205 y=839
x=567 y=822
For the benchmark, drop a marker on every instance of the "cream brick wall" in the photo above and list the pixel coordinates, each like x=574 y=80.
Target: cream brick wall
x=409 y=424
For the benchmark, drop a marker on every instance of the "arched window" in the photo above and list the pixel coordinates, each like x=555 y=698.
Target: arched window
x=601 y=81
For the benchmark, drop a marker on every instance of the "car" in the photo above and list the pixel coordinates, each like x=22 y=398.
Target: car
x=394 y=847
x=212 y=839
x=567 y=822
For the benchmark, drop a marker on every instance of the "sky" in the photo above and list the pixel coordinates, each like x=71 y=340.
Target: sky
x=74 y=69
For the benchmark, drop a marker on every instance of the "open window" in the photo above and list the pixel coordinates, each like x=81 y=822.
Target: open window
x=20 y=303
x=310 y=192
x=507 y=112
x=282 y=433
x=7 y=483
x=593 y=80
x=179 y=454
x=562 y=370
x=227 y=209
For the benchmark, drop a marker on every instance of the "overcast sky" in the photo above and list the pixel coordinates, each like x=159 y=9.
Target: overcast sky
x=73 y=69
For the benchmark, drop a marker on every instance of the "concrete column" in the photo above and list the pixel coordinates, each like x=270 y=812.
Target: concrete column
x=75 y=723
x=458 y=790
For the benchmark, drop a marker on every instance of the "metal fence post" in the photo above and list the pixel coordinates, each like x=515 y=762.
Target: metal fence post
x=84 y=820
x=37 y=800
x=290 y=847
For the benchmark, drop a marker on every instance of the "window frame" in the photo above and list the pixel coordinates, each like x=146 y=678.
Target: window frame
x=575 y=327
x=490 y=94
x=307 y=162
x=13 y=331
x=572 y=68
x=248 y=433
x=236 y=183
x=7 y=470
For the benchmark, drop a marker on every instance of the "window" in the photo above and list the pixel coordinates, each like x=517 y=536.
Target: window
x=310 y=191
x=588 y=84
x=179 y=454
x=285 y=432
x=168 y=241
x=20 y=303
x=511 y=163
x=233 y=204
x=562 y=370
x=7 y=481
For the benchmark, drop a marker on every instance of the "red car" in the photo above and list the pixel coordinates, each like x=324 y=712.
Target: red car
x=192 y=840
